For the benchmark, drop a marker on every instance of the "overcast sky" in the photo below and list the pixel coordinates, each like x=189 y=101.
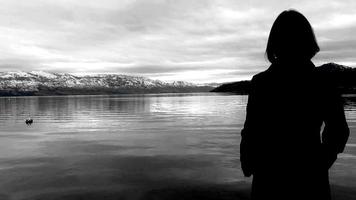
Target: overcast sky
x=190 y=40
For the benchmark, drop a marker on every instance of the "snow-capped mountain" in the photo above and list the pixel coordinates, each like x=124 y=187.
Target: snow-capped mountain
x=46 y=83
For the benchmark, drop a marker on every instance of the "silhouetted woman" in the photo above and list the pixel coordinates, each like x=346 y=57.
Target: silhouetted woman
x=282 y=145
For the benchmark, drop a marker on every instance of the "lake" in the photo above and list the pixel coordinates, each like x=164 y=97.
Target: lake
x=152 y=146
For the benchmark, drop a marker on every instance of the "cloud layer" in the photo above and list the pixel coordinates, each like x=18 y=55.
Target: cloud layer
x=197 y=41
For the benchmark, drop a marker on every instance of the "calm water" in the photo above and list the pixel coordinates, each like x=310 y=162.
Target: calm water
x=98 y=145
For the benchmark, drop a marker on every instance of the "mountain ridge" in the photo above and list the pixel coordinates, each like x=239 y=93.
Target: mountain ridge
x=48 y=83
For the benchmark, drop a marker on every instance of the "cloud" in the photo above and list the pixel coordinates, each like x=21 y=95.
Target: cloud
x=198 y=41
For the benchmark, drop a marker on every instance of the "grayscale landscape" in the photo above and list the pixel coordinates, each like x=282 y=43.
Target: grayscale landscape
x=146 y=99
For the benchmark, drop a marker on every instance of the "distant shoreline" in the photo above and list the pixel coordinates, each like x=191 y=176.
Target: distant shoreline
x=103 y=91
x=121 y=94
x=342 y=77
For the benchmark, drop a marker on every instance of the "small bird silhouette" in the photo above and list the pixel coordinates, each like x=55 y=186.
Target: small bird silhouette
x=29 y=121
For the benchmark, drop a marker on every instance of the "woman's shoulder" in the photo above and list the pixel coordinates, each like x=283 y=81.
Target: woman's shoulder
x=261 y=76
x=260 y=80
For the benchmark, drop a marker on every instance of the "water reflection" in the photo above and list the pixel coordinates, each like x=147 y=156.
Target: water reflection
x=130 y=146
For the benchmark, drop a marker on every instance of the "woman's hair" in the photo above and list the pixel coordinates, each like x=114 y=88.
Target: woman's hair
x=291 y=36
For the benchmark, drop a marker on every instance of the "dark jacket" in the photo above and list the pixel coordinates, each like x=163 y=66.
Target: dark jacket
x=281 y=143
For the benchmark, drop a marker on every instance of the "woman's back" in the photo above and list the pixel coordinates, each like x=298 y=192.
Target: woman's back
x=285 y=116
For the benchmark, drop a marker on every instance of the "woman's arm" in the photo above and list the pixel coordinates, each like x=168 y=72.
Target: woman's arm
x=336 y=130
x=247 y=134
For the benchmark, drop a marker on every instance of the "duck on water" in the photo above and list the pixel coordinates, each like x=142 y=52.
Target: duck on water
x=29 y=121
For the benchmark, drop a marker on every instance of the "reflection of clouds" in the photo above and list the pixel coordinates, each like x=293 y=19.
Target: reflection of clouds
x=351 y=145
x=180 y=105
x=199 y=112
x=143 y=140
x=346 y=156
x=116 y=113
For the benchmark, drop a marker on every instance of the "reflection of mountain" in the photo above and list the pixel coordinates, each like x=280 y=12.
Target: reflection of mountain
x=45 y=83
x=341 y=76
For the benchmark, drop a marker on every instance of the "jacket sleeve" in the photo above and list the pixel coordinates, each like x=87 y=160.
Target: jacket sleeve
x=336 y=130
x=247 y=134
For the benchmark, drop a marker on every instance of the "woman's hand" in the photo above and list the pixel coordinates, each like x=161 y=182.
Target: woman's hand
x=328 y=157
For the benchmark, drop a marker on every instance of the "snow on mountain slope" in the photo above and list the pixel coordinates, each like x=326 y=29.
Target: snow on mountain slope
x=43 y=74
x=36 y=80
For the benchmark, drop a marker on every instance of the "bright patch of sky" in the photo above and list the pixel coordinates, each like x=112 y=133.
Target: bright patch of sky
x=190 y=40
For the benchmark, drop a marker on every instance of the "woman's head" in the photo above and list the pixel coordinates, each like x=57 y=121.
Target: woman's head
x=291 y=38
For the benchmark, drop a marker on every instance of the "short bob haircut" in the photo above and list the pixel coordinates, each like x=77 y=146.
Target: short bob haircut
x=291 y=38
